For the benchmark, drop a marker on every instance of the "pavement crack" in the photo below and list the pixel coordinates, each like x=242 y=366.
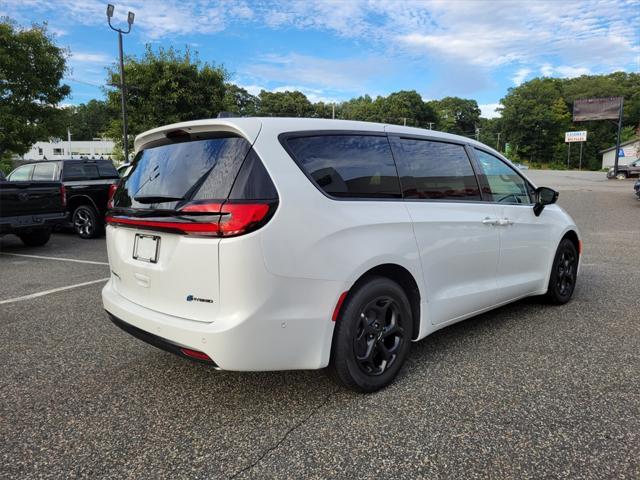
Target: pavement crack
x=294 y=427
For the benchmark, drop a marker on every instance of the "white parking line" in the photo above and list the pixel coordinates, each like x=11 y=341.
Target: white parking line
x=54 y=290
x=60 y=259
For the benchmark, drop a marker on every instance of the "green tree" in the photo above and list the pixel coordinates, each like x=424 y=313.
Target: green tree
x=361 y=108
x=405 y=107
x=284 y=104
x=166 y=86
x=237 y=100
x=31 y=69
x=457 y=115
x=90 y=120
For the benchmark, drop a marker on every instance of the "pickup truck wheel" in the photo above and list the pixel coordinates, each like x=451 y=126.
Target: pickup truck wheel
x=35 y=238
x=85 y=222
x=621 y=175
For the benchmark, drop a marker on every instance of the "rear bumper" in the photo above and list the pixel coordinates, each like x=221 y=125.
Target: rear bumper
x=24 y=223
x=272 y=337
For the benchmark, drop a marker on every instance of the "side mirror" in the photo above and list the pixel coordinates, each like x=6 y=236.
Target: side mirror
x=544 y=196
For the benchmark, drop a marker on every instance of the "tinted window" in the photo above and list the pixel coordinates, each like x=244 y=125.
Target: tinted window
x=21 y=174
x=435 y=170
x=355 y=166
x=80 y=171
x=107 y=170
x=44 y=171
x=167 y=174
x=504 y=184
x=253 y=181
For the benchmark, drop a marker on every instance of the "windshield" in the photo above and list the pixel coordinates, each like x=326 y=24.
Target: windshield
x=164 y=176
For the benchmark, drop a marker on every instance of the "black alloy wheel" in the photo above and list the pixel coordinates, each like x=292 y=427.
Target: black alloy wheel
x=564 y=272
x=372 y=336
x=85 y=222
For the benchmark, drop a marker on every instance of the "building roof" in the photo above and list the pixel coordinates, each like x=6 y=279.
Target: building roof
x=628 y=142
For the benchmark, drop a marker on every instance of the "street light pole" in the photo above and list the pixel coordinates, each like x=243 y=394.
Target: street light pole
x=123 y=90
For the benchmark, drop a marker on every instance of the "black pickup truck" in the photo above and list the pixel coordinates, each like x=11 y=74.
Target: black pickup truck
x=87 y=183
x=31 y=209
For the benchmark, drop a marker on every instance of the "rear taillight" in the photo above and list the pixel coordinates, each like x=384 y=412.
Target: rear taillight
x=63 y=196
x=112 y=191
x=228 y=219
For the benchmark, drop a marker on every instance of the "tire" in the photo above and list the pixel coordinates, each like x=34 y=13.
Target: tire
x=562 y=281
x=368 y=353
x=85 y=222
x=35 y=238
x=621 y=176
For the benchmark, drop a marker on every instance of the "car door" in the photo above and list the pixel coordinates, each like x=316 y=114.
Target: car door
x=525 y=240
x=634 y=168
x=457 y=241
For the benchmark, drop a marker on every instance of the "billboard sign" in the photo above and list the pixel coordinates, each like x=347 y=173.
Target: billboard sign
x=575 y=136
x=596 y=109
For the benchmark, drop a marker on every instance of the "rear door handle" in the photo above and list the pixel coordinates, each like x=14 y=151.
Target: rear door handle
x=505 y=222
x=490 y=221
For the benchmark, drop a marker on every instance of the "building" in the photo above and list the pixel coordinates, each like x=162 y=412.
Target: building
x=631 y=151
x=59 y=149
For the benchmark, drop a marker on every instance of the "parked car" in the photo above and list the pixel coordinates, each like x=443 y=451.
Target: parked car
x=124 y=169
x=636 y=188
x=625 y=171
x=31 y=209
x=521 y=166
x=87 y=183
x=274 y=243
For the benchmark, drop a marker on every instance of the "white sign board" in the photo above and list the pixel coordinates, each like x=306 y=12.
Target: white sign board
x=575 y=136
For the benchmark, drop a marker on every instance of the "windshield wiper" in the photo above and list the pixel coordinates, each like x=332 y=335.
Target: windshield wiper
x=156 y=199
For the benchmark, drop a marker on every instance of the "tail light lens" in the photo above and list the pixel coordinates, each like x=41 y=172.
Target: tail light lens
x=228 y=219
x=63 y=196
x=112 y=191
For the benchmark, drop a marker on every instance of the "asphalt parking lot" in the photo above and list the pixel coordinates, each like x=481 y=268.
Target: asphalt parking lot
x=527 y=391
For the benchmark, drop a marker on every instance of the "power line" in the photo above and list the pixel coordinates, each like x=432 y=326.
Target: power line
x=69 y=79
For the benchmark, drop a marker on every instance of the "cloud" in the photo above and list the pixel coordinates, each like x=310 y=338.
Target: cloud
x=347 y=74
x=91 y=57
x=488 y=110
x=520 y=75
x=563 y=71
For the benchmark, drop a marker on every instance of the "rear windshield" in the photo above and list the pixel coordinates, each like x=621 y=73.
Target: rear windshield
x=167 y=175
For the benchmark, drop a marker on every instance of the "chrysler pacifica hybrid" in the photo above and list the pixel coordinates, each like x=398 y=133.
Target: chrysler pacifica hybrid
x=281 y=243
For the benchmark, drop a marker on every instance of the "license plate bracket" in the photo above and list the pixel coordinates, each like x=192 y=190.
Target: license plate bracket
x=146 y=248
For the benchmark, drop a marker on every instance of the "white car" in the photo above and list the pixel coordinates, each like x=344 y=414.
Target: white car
x=288 y=243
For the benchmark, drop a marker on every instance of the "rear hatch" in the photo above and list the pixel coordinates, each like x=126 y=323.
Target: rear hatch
x=183 y=194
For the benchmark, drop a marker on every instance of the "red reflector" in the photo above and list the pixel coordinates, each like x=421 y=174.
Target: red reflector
x=112 y=190
x=336 y=311
x=63 y=195
x=196 y=354
x=579 y=247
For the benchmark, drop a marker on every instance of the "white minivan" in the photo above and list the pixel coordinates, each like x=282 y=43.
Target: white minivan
x=289 y=243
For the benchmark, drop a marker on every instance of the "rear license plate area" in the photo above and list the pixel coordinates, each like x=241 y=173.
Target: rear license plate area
x=146 y=248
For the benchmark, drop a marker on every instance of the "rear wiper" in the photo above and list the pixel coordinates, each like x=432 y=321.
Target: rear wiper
x=156 y=199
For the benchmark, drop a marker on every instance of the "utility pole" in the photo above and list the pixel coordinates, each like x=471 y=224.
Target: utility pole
x=615 y=164
x=333 y=111
x=568 y=154
x=430 y=125
x=69 y=142
x=498 y=142
x=123 y=89
x=405 y=121
x=478 y=134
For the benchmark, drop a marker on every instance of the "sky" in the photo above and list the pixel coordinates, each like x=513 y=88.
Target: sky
x=335 y=50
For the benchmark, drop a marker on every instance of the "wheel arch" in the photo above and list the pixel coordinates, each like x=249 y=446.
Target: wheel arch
x=403 y=277
x=77 y=200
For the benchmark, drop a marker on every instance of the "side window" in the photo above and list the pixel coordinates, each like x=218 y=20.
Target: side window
x=503 y=183
x=44 y=171
x=348 y=166
x=435 y=170
x=80 y=171
x=21 y=174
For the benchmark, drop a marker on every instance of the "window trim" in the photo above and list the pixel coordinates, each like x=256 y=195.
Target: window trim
x=283 y=138
x=482 y=178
